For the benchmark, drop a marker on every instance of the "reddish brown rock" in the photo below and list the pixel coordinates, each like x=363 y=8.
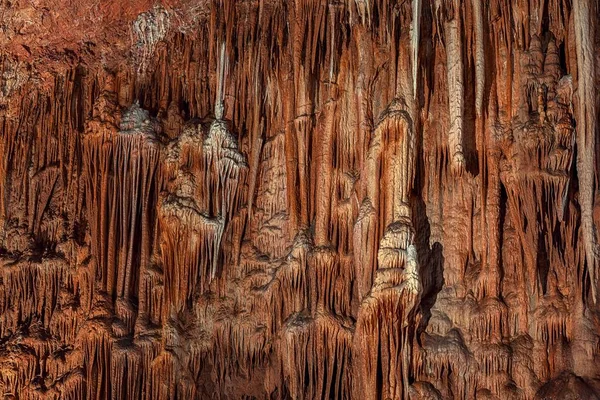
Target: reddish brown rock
x=355 y=199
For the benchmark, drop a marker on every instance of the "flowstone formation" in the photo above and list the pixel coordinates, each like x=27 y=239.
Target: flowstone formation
x=299 y=199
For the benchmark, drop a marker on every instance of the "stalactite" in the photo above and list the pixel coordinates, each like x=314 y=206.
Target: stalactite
x=120 y=185
x=415 y=35
x=455 y=91
x=325 y=175
x=365 y=248
x=586 y=131
x=187 y=264
x=479 y=56
x=318 y=366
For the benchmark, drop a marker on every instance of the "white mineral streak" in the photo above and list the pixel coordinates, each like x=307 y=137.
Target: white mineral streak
x=364 y=10
x=219 y=107
x=13 y=76
x=455 y=94
x=148 y=29
x=479 y=57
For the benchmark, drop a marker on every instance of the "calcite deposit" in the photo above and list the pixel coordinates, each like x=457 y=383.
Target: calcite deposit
x=299 y=199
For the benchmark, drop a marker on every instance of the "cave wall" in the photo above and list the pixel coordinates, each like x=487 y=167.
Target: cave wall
x=351 y=199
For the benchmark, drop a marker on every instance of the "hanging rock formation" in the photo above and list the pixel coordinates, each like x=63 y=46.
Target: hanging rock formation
x=299 y=199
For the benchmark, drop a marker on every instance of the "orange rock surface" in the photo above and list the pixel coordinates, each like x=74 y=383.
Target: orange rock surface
x=299 y=199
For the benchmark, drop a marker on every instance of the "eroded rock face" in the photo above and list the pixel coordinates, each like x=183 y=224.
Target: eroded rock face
x=299 y=199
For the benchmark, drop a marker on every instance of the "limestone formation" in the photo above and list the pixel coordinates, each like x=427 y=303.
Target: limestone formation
x=299 y=199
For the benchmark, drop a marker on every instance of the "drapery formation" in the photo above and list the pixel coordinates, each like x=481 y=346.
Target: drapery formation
x=356 y=199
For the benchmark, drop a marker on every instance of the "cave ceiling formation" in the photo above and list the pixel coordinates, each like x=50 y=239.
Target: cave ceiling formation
x=299 y=199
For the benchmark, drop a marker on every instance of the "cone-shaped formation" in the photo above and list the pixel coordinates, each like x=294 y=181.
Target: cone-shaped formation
x=298 y=199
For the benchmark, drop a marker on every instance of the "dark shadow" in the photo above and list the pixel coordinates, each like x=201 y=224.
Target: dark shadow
x=431 y=259
x=501 y=229
x=469 y=112
x=543 y=264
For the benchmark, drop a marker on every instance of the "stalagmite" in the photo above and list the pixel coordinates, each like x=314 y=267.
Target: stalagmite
x=386 y=320
x=357 y=199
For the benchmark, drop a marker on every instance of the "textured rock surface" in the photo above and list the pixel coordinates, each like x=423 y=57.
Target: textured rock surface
x=300 y=199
